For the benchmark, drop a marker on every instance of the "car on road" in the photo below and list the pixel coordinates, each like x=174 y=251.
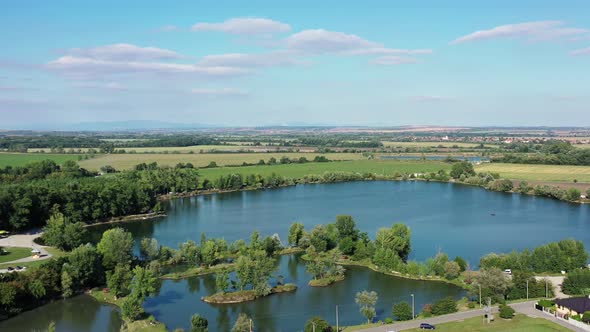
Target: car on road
x=508 y=271
x=10 y=269
x=426 y=326
x=20 y=268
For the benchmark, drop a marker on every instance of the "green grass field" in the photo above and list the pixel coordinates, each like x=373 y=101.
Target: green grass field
x=520 y=323
x=14 y=253
x=20 y=159
x=546 y=173
x=359 y=166
x=53 y=251
x=127 y=161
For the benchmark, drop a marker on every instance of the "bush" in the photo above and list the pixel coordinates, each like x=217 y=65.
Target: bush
x=445 y=306
x=471 y=305
x=506 y=312
x=546 y=303
x=199 y=323
x=402 y=311
x=586 y=317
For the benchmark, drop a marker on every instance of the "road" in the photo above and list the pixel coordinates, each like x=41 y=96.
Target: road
x=24 y=241
x=526 y=308
x=458 y=316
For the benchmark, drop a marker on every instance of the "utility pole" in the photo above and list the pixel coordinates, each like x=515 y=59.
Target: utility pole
x=546 y=289
x=527 y=289
x=413 y=312
x=251 y=325
x=337 y=327
x=479 y=285
x=313 y=326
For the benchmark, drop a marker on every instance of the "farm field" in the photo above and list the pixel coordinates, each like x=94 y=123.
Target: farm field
x=520 y=323
x=433 y=144
x=127 y=161
x=180 y=149
x=546 y=173
x=359 y=166
x=20 y=159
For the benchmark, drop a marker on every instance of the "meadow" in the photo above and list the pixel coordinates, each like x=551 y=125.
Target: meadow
x=546 y=173
x=520 y=323
x=20 y=159
x=128 y=161
x=390 y=144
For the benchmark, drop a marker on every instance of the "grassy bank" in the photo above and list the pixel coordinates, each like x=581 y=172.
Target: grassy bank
x=530 y=172
x=197 y=271
x=324 y=282
x=13 y=253
x=53 y=251
x=148 y=324
x=245 y=295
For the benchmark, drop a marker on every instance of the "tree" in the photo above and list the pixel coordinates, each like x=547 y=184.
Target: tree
x=66 y=284
x=396 y=238
x=222 y=280
x=85 y=267
x=132 y=307
x=144 y=282
x=494 y=283
x=295 y=233
x=149 y=249
x=7 y=294
x=452 y=270
x=317 y=324
x=37 y=289
x=62 y=233
x=402 y=311
x=462 y=168
x=577 y=282
x=208 y=252
x=572 y=194
x=346 y=245
x=242 y=323
x=462 y=263
x=115 y=247
x=119 y=280
x=444 y=306
x=199 y=323
x=506 y=311
x=367 y=300
x=346 y=227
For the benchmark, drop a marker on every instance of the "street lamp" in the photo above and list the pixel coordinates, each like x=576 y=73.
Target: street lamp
x=527 y=289
x=251 y=325
x=413 y=313
x=313 y=326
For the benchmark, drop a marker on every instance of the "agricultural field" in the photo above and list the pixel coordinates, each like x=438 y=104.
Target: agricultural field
x=179 y=149
x=388 y=167
x=520 y=323
x=20 y=159
x=530 y=172
x=128 y=161
x=390 y=144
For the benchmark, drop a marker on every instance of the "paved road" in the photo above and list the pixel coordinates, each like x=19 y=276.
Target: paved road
x=458 y=316
x=25 y=241
x=528 y=309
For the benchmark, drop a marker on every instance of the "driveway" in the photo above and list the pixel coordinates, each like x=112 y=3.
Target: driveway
x=528 y=308
x=458 y=316
x=25 y=241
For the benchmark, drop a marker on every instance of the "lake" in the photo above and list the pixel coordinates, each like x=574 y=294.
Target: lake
x=457 y=219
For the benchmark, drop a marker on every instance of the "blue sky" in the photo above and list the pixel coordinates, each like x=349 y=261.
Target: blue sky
x=245 y=63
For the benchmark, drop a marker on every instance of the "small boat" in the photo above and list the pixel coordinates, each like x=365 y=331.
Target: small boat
x=492 y=214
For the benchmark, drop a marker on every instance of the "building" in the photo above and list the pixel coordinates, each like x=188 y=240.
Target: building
x=573 y=305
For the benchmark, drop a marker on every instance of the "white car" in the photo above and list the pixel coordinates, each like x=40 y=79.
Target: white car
x=508 y=271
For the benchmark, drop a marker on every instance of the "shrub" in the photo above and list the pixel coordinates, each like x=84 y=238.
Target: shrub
x=199 y=323
x=388 y=320
x=506 y=312
x=546 y=303
x=321 y=325
x=586 y=317
x=471 y=305
x=444 y=306
x=402 y=311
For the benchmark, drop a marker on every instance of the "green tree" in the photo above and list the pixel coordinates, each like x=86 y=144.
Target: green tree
x=199 y=323
x=462 y=168
x=85 y=267
x=462 y=263
x=577 y=282
x=208 y=252
x=222 y=280
x=115 y=247
x=295 y=233
x=346 y=227
x=60 y=232
x=452 y=270
x=402 y=311
x=445 y=306
x=347 y=245
x=66 y=284
x=144 y=282
x=119 y=280
x=7 y=294
x=132 y=307
x=494 y=283
x=366 y=301
x=242 y=324
x=572 y=194
x=37 y=289
x=317 y=324
x=149 y=249
x=396 y=238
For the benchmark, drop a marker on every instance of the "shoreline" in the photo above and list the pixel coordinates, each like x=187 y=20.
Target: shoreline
x=245 y=295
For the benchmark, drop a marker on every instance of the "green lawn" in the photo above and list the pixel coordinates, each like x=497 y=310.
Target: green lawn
x=14 y=253
x=20 y=159
x=360 y=166
x=53 y=251
x=519 y=323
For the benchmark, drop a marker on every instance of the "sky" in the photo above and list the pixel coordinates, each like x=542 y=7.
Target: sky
x=258 y=63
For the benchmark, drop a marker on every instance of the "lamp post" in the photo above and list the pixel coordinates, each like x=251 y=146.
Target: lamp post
x=479 y=285
x=251 y=325
x=313 y=326
x=413 y=312
x=527 y=289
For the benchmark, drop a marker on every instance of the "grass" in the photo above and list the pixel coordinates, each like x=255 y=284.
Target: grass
x=245 y=295
x=21 y=159
x=197 y=271
x=53 y=251
x=128 y=161
x=529 y=172
x=386 y=167
x=520 y=323
x=14 y=253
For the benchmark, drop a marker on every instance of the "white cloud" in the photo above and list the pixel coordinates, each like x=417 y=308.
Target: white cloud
x=245 y=26
x=333 y=42
x=278 y=58
x=88 y=66
x=101 y=85
x=582 y=51
x=391 y=60
x=532 y=31
x=222 y=92
x=124 y=52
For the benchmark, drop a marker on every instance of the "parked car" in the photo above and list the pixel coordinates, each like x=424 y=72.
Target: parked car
x=10 y=269
x=426 y=326
x=508 y=271
x=20 y=268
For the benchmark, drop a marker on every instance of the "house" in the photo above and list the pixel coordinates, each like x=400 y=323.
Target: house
x=573 y=305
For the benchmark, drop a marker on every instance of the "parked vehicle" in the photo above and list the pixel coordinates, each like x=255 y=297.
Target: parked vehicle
x=10 y=269
x=20 y=268
x=426 y=326
x=508 y=271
